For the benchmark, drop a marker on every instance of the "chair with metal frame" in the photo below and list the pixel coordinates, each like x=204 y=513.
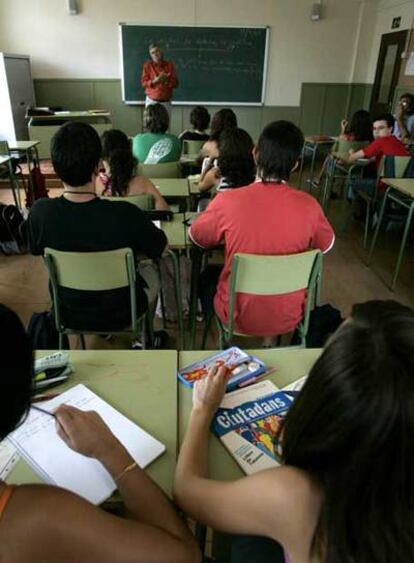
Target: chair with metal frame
x=96 y=271
x=337 y=168
x=398 y=167
x=160 y=170
x=273 y=275
x=390 y=167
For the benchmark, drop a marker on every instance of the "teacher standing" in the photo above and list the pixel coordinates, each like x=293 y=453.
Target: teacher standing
x=158 y=78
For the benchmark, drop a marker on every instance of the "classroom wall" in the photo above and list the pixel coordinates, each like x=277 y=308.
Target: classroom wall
x=87 y=45
x=377 y=21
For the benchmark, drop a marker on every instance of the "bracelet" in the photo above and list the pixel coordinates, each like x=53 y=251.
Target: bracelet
x=126 y=470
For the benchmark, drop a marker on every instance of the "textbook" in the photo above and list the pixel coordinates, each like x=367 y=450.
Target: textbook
x=248 y=422
x=39 y=444
x=244 y=368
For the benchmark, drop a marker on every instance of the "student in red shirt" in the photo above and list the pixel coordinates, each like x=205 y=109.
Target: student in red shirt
x=267 y=217
x=159 y=78
x=384 y=144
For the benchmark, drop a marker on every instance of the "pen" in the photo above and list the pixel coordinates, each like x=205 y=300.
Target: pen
x=44 y=411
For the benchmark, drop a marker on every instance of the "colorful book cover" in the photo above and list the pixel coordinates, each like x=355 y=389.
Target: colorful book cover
x=242 y=365
x=248 y=423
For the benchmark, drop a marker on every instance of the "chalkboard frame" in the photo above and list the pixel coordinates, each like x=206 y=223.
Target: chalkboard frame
x=121 y=25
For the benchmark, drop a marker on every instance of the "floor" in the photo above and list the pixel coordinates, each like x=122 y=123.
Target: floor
x=346 y=280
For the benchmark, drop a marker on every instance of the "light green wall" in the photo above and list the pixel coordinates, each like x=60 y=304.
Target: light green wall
x=321 y=110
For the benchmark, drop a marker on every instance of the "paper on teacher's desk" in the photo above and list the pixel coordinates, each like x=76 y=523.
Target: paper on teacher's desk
x=8 y=458
x=58 y=464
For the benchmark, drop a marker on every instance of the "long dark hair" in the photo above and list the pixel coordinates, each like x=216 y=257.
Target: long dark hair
x=116 y=150
x=352 y=429
x=360 y=126
x=235 y=159
x=223 y=119
x=16 y=372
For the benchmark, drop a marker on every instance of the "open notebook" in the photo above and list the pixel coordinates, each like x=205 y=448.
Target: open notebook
x=39 y=444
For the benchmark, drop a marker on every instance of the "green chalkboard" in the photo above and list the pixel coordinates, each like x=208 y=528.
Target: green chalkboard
x=215 y=65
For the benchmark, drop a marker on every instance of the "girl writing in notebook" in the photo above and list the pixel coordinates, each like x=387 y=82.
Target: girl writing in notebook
x=345 y=493
x=45 y=524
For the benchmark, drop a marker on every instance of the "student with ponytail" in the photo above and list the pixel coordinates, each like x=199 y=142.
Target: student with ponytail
x=118 y=177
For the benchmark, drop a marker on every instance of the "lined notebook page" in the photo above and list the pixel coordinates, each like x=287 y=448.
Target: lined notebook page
x=39 y=444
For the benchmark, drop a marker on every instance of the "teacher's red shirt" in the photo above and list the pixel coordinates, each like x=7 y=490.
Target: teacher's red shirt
x=160 y=92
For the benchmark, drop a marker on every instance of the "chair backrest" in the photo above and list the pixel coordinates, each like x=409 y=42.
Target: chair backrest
x=4 y=148
x=396 y=167
x=342 y=146
x=191 y=148
x=91 y=271
x=143 y=201
x=275 y=275
x=161 y=170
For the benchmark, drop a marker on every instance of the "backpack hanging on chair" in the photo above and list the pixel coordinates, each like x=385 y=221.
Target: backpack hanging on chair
x=37 y=182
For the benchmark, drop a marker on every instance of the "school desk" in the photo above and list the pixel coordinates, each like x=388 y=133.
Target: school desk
x=30 y=151
x=290 y=365
x=400 y=191
x=141 y=385
x=312 y=145
x=43 y=127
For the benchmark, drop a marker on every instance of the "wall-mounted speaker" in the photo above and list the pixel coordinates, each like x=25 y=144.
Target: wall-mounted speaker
x=316 y=12
x=73 y=7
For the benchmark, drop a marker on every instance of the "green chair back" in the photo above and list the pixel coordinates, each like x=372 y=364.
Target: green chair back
x=4 y=148
x=396 y=164
x=342 y=146
x=191 y=148
x=274 y=275
x=143 y=201
x=161 y=170
x=91 y=271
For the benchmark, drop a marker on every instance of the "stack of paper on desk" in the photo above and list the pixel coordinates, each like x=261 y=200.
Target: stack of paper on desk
x=39 y=444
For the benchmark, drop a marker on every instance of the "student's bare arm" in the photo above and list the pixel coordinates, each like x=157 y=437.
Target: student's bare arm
x=209 y=180
x=354 y=156
x=153 y=520
x=260 y=504
x=63 y=527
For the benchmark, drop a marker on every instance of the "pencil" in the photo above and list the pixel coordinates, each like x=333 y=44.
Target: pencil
x=44 y=411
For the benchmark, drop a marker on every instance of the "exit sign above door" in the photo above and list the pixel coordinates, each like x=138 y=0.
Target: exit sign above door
x=396 y=22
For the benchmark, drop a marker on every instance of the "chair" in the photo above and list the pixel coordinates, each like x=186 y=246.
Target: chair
x=95 y=271
x=335 y=168
x=390 y=167
x=161 y=170
x=143 y=201
x=191 y=149
x=395 y=167
x=273 y=275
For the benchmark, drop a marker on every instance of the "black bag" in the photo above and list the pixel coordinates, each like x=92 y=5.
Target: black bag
x=43 y=333
x=11 y=230
x=324 y=320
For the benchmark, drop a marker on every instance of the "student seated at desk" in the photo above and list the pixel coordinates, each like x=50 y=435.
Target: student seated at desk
x=155 y=145
x=358 y=129
x=200 y=120
x=385 y=143
x=46 y=524
x=404 y=118
x=234 y=166
x=118 y=177
x=267 y=217
x=345 y=491
x=223 y=119
x=79 y=221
